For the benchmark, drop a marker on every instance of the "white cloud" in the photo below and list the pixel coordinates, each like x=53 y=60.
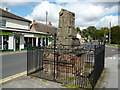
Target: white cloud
x=20 y=1
x=103 y=0
x=86 y=14
x=39 y=12
x=17 y=2
x=113 y=9
x=104 y=22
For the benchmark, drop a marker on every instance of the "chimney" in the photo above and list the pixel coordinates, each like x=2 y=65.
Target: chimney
x=33 y=21
x=50 y=24
x=7 y=9
x=46 y=17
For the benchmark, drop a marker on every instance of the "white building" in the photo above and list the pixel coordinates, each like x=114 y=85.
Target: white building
x=80 y=37
x=42 y=40
x=15 y=32
x=11 y=27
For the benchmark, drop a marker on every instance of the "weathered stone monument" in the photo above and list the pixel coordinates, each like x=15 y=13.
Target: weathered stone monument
x=66 y=33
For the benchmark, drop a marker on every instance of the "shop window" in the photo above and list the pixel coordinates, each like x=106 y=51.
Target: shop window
x=26 y=42
x=39 y=42
x=46 y=41
x=2 y=23
x=5 y=41
x=43 y=43
x=34 y=42
x=30 y=42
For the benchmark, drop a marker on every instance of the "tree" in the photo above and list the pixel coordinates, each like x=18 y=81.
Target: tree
x=115 y=35
x=78 y=29
x=102 y=33
x=92 y=32
x=85 y=33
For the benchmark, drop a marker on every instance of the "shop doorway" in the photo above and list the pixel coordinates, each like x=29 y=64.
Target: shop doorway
x=39 y=42
x=43 y=42
x=26 y=42
x=34 y=42
x=17 y=43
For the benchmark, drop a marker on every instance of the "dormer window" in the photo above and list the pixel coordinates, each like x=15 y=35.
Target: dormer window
x=2 y=23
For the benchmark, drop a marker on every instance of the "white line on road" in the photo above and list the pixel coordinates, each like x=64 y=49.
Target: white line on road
x=113 y=50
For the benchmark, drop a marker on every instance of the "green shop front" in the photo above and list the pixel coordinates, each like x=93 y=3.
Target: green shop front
x=6 y=40
x=37 y=40
x=11 y=41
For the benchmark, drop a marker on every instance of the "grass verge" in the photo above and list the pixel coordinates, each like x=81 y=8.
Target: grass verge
x=99 y=82
x=69 y=85
x=113 y=45
x=44 y=80
x=7 y=50
x=101 y=79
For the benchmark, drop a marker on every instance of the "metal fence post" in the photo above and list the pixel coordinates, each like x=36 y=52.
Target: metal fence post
x=54 y=52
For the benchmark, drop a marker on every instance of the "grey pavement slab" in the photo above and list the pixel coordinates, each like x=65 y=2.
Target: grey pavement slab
x=27 y=82
x=111 y=76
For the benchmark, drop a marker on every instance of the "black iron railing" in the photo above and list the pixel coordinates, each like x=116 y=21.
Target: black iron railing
x=79 y=67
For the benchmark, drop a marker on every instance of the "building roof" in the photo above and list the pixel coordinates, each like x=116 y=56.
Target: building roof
x=43 y=28
x=7 y=14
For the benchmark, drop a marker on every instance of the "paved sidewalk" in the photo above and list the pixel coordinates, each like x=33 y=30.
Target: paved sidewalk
x=12 y=52
x=27 y=82
x=111 y=76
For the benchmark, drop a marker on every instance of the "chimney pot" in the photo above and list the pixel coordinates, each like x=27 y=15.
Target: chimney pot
x=33 y=21
x=50 y=23
x=7 y=9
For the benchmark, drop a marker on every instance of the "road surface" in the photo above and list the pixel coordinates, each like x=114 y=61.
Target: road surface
x=110 y=51
x=13 y=64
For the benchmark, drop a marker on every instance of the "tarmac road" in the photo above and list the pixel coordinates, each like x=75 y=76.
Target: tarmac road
x=110 y=51
x=13 y=64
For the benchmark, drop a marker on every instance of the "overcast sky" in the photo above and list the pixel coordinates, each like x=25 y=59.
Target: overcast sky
x=97 y=13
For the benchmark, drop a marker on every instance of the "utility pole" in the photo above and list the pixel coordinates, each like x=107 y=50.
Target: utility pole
x=110 y=34
x=46 y=17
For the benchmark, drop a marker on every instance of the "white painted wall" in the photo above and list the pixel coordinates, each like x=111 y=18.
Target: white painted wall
x=36 y=41
x=29 y=35
x=16 y=23
x=10 y=42
x=22 y=42
x=14 y=44
x=41 y=41
x=2 y=42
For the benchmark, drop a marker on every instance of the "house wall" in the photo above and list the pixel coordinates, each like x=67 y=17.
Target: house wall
x=36 y=41
x=16 y=23
x=22 y=42
x=2 y=41
x=11 y=42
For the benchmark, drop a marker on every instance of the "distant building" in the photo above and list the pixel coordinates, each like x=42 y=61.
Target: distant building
x=15 y=32
x=40 y=27
x=10 y=24
x=80 y=37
